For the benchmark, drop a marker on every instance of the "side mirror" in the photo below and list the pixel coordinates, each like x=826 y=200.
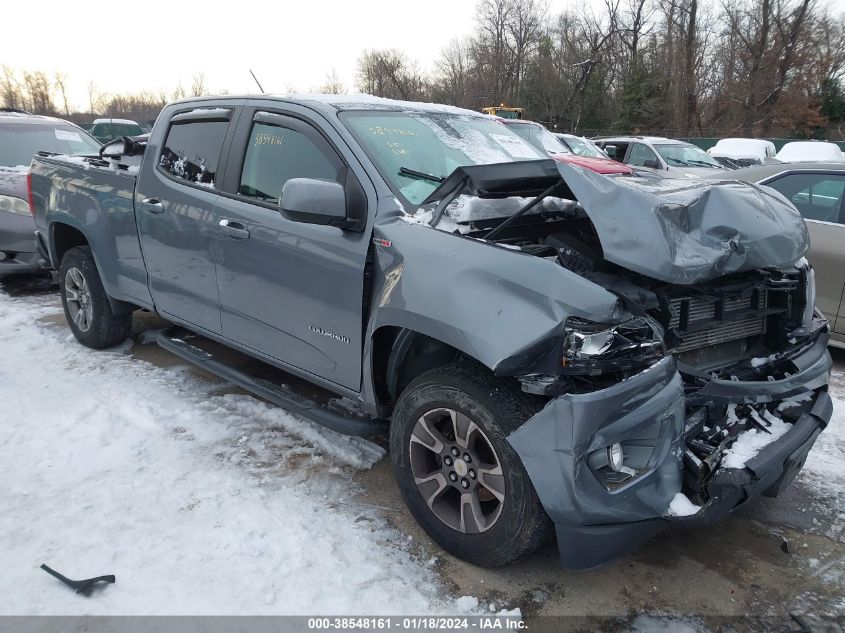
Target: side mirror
x=115 y=149
x=125 y=146
x=315 y=201
x=652 y=163
x=610 y=150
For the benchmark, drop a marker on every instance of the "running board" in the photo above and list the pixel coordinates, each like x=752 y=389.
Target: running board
x=278 y=395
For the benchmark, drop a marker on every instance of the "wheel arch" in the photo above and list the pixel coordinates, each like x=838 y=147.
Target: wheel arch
x=64 y=236
x=401 y=354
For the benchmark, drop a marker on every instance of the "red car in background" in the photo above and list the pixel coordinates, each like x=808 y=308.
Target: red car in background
x=539 y=137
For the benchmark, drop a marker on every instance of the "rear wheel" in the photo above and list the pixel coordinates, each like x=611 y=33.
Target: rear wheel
x=86 y=305
x=462 y=481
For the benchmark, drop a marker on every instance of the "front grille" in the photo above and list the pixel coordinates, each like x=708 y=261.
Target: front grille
x=690 y=317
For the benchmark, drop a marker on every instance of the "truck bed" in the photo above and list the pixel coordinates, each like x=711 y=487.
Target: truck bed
x=96 y=197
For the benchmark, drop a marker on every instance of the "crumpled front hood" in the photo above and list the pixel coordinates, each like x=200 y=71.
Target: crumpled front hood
x=688 y=231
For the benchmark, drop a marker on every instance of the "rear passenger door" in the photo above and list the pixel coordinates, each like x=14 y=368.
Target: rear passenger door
x=820 y=197
x=175 y=197
x=291 y=290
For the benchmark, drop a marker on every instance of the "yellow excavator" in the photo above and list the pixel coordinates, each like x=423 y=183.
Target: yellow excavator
x=504 y=112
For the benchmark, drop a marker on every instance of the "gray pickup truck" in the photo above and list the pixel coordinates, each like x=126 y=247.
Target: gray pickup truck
x=548 y=347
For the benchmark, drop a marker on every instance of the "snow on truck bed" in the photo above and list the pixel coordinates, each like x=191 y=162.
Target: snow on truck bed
x=199 y=503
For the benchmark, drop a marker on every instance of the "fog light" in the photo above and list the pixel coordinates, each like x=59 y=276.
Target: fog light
x=615 y=456
x=2 y=256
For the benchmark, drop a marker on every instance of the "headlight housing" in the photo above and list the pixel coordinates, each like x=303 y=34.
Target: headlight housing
x=10 y=204
x=596 y=348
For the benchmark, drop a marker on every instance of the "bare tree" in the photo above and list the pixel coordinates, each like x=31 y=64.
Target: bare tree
x=10 y=89
x=60 y=80
x=198 y=87
x=333 y=84
x=389 y=73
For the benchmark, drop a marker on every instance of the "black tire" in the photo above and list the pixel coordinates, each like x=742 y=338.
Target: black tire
x=102 y=328
x=497 y=407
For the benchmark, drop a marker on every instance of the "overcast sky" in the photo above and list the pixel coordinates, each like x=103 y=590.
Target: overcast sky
x=155 y=44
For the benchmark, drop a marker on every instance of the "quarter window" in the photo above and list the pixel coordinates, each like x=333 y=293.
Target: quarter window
x=192 y=151
x=276 y=154
x=817 y=196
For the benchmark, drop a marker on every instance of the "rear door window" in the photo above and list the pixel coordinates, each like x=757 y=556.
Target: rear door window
x=283 y=149
x=816 y=196
x=192 y=150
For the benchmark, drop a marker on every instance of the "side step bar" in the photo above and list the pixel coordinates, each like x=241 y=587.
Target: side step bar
x=285 y=398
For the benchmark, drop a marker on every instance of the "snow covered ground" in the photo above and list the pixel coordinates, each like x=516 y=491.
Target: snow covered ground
x=202 y=501
x=198 y=502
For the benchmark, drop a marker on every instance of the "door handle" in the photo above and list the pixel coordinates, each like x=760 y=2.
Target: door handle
x=153 y=205
x=233 y=229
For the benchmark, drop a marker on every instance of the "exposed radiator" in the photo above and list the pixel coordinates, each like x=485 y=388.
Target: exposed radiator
x=698 y=309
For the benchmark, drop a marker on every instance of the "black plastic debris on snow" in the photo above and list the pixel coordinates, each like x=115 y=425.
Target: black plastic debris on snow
x=85 y=587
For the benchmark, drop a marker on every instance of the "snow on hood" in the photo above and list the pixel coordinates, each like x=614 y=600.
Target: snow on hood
x=688 y=231
x=810 y=151
x=741 y=148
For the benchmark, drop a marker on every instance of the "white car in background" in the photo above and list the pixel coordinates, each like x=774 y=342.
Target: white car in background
x=676 y=159
x=744 y=152
x=811 y=151
x=581 y=146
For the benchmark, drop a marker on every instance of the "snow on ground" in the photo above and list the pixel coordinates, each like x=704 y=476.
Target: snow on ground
x=823 y=473
x=198 y=502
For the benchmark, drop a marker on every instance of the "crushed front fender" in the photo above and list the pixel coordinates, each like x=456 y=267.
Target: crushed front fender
x=554 y=446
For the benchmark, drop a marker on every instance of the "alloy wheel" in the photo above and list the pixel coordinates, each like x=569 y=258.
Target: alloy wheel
x=457 y=470
x=78 y=298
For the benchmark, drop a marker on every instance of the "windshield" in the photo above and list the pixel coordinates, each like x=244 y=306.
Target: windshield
x=686 y=155
x=540 y=138
x=583 y=147
x=413 y=150
x=19 y=142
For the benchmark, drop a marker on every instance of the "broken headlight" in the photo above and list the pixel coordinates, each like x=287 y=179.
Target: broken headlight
x=596 y=348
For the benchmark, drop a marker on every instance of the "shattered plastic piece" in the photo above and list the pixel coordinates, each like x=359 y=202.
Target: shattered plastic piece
x=85 y=587
x=784 y=546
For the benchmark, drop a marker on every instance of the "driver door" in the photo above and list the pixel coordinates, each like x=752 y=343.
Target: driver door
x=289 y=290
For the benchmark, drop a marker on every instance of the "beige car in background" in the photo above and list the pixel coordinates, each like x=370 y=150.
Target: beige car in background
x=818 y=191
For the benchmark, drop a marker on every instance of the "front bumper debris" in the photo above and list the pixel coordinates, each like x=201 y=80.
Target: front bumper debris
x=596 y=522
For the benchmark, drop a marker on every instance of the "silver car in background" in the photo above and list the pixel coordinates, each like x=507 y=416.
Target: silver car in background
x=675 y=159
x=818 y=191
x=22 y=135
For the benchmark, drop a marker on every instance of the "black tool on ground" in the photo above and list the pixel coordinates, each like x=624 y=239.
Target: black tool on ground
x=81 y=586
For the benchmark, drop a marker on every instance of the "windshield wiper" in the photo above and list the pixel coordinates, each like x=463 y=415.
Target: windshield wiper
x=704 y=163
x=420 y=175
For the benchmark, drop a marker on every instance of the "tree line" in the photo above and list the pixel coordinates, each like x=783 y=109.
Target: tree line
x=42 y=93
x=675 y=67
x=683 y=67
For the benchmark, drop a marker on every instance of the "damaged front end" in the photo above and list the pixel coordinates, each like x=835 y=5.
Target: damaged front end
x=706 y=388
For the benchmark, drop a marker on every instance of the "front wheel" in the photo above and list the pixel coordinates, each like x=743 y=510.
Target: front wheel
x=86 y=304
x=462 y=481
